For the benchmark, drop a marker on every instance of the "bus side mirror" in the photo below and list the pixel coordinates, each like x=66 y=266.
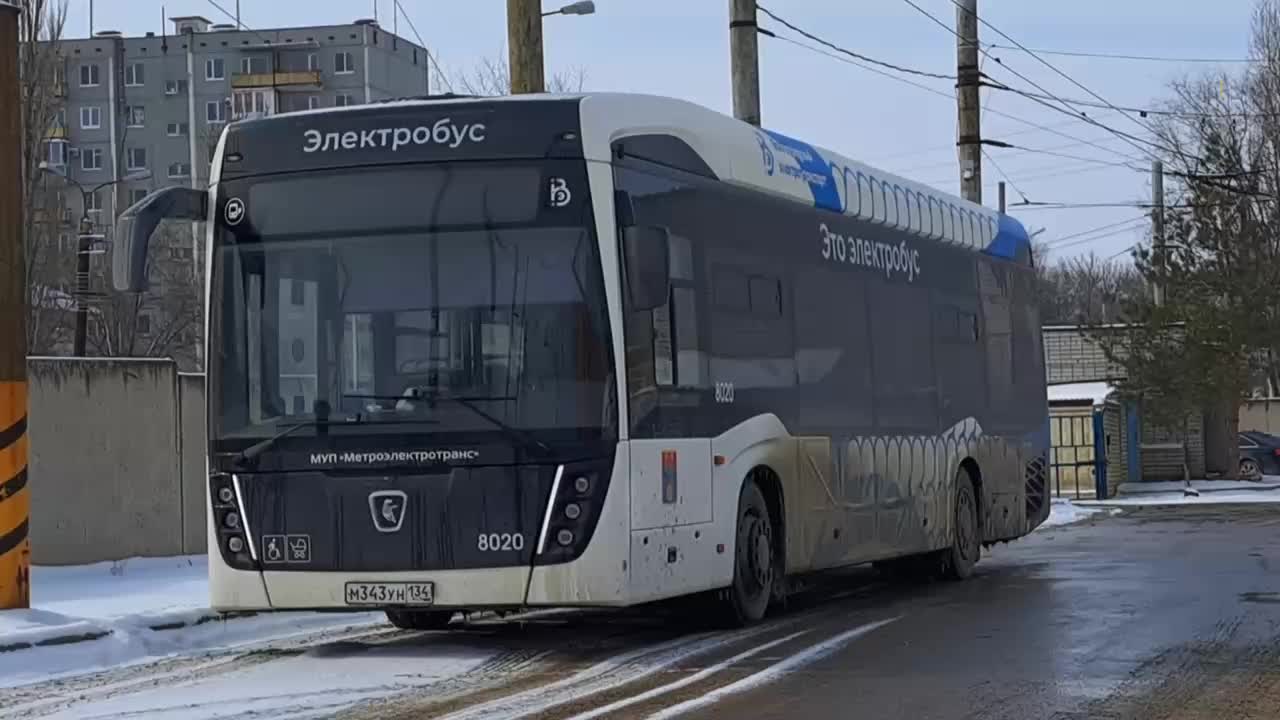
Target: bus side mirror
x=646 y=249
x=136 y=225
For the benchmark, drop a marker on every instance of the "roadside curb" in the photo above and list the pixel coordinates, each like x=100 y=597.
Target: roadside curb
x=1260 y=487
x=79 y=637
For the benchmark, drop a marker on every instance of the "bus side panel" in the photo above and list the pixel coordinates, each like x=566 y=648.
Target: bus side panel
x=600 y=575
x=676 y=526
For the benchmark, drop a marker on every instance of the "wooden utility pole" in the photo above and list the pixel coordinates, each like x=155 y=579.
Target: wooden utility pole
x=15 y=499
x=524 y=40
x=744 y=59
x=969 y=107
x=1157 y=229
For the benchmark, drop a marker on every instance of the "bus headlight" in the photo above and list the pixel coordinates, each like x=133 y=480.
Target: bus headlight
x=235 y=544
x=582 y=484
x=226 y=495
x=565 y=537
x=232 y=520
x=572 y=511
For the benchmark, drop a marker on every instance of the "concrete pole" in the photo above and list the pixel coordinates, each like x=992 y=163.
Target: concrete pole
x=524 y=42
x=1002 y=198
x=1157 y=229
x=744 y=60
x=969 y=107
x=15 y=499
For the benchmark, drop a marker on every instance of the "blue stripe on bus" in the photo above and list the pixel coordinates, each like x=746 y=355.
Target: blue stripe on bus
x=1010 y=238
x=811 y=162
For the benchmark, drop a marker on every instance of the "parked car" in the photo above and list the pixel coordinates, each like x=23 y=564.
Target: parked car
x=1259 y=454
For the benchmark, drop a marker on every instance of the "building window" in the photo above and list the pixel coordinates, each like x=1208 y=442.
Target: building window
x=180 y=170
x=144 y=324
x=343 y=63
x=65 y=243
x=178 y=129
x=90 y=118
x=175 y=87
x=90 y=75
x=93 y=201
x=61 y=120
x=91 y=159
x=313 y=61
x=215 y=111
x=313 y=102
x=253 y=65
x=56 y=153
x=344 y=99
x=135 y=116
x=215 y=69
x=137 y=159
x=134 y=75
x=136 y=195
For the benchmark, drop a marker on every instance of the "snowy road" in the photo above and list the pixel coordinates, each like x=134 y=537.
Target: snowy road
x=1165 y=613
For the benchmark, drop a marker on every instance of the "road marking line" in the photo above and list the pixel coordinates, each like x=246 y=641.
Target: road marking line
x=773 y=672
x=606 y=674
x=696 y=677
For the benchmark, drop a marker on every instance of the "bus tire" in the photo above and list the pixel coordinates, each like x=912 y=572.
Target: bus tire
x=959 y=560
x=420 y=619
x=755 y=560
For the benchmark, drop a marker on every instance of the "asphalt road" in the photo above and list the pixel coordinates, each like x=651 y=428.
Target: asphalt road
x=1156 y=614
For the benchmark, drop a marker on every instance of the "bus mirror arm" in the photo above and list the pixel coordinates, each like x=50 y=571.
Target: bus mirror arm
x=136 y=225
x=646 y=250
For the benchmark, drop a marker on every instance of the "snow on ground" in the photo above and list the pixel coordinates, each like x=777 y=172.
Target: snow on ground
x=1178 y=498
x=1065 y=512
x=316 y=683
x=122 y=602
x=1268 y=483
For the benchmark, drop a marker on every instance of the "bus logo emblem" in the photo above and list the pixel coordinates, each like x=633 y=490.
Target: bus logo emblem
x=560 y=195
x=234 y=211
x=387 y=509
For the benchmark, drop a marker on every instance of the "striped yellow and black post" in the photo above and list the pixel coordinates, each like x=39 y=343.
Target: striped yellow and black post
x=15 y=497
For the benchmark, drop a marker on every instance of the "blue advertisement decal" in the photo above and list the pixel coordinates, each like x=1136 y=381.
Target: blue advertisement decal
x=800 y=160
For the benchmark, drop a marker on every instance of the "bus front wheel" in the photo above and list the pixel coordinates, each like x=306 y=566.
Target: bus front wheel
x=420 y=619
x=755 y=559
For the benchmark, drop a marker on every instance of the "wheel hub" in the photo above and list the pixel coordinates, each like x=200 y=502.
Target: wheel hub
x=760 y=552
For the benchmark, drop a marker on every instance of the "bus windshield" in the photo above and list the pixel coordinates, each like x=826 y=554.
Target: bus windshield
x=406 y=312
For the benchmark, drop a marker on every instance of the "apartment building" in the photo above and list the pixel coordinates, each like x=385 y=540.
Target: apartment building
x=141 y=113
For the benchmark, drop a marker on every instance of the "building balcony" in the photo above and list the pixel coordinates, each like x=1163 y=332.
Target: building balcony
x=294 y=78
x=56 y=133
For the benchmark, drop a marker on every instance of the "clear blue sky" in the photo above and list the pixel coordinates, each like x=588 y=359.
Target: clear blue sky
x=680 y=48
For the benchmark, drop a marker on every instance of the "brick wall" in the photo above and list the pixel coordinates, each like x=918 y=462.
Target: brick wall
x=1071 y=357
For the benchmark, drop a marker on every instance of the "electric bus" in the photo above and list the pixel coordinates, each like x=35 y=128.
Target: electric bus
x=594 y=350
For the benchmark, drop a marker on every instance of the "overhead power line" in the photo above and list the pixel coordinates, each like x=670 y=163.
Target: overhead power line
x=1119 y=56
x=1057 y=243
x=1130 y=109
x=431 y=57
x=1049 y=65
x=850 y=53
x=1051 y=129
x=1066 y=108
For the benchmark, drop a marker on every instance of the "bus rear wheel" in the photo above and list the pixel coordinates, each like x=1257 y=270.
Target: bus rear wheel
x=420 y=619
x=755 y=559
x=966 y=532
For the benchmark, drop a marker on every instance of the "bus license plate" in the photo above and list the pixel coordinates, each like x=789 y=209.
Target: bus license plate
x=390 y=593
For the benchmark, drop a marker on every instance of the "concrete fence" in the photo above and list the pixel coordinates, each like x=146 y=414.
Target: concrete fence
x=117 y=465
x=1261 y=416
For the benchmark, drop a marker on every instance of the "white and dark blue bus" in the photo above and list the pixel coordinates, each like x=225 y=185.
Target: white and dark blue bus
x=594 y=350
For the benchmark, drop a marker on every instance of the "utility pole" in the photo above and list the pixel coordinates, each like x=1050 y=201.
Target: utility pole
x=969 y=107
x=524 y=40
x=744 y=59
x=15 y=499
x=1002 y=201
x=1157 y=229
x=83 y=246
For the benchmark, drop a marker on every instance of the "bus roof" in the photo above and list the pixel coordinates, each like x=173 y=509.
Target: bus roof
x=768 y=161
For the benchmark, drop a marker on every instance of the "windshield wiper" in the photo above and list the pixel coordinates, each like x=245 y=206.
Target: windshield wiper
x=520 y=436
x=251 y=453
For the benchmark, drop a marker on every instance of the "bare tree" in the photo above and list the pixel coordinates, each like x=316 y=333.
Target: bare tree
x=493 y=77
x=42 y=87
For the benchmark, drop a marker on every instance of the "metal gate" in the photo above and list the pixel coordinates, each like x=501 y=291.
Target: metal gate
x=1076 y=465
